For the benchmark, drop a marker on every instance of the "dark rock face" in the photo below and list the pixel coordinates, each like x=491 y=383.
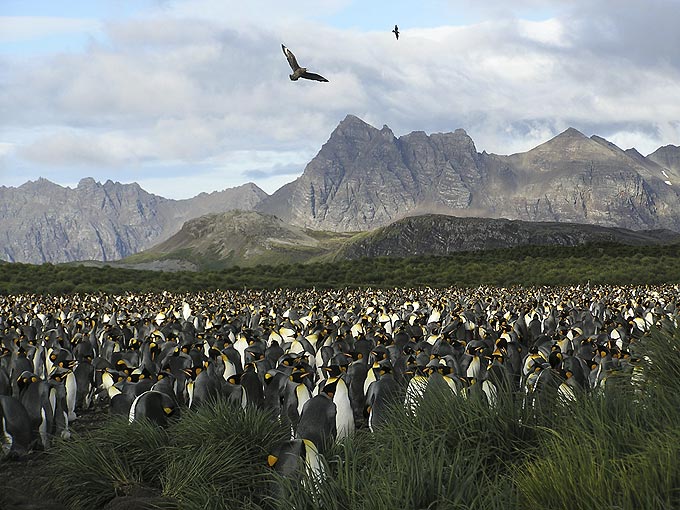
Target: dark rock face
x=43 y=222
x=443 y=235
x=364 y=178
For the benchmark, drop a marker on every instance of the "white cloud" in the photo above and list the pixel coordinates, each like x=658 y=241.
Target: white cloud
x=192 y=83
x=257 y=11
x=6 y=148
x=22 y=28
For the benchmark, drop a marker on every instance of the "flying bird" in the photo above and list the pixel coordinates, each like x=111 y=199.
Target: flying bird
x=396 y=31
x=299 y=72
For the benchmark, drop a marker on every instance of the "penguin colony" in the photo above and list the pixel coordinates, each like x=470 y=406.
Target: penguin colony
x=322 y=362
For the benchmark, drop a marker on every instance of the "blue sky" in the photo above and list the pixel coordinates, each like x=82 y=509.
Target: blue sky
x=185 y=96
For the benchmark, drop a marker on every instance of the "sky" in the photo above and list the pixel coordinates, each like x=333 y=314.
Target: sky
x=191 y=96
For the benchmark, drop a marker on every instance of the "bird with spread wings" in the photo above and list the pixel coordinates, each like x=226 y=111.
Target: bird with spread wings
x=299 y=72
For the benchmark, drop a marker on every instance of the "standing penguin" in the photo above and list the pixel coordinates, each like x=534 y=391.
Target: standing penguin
x=297 y=459
x=252 y=385
x=15 y=427
x=344 y=415
x=382 y=393
x=58 y=401
x=415 y=390
x=34 y=395
x=356 y=377
x=202 y=386
x=295 y=397
x=275 y=384
x=317 y=421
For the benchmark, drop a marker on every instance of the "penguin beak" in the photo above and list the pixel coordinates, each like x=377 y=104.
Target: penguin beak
x=272 y=460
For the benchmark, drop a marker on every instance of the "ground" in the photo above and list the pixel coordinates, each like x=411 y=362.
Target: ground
x=22 y=480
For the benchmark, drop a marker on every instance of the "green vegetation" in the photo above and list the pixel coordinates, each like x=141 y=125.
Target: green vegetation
x=615 y=448
x=213 y=458
x=540 y=265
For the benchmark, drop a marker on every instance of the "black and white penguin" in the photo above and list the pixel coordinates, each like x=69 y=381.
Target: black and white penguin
x=382 y=393
x=317 y=420
x=296 y=395
x=252 y=386
x=344 y=416
x=154 y=406
x=15 y=427
x=34 y=395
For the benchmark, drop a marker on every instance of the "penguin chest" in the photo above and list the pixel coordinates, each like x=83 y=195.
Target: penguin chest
x=302 y=394
x=344 y=416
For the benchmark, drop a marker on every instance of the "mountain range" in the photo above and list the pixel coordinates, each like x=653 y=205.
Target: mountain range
x=362 y=178
x=365 y=177
x=43 y=222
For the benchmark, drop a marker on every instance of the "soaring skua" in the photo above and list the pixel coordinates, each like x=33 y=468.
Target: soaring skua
x=299 y=72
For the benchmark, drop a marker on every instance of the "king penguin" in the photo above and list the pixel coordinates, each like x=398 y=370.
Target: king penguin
x=154 y=406
x=295 y=396
x=382 y=393
x=317 y=421
x=15 y=427
x=297 y=459
x=344 y=415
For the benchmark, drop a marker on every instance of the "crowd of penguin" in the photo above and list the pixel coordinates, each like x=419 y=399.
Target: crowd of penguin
x=322 y=362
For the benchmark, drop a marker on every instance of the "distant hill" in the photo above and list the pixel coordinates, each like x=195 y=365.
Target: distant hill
x=444 y=235
x=247 y=238
x=236 y=238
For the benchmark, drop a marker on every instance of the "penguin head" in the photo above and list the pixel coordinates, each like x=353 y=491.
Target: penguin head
x=234 y=379
x=298 y=376
x=26 y=379
x=334 y=370
x=330 y=387
x=355 y=355
x=555 y=359
x=59 y=374
x=193 y=372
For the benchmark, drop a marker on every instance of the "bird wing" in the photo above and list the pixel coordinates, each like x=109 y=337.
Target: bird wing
x=313 y=76
x=291 y=58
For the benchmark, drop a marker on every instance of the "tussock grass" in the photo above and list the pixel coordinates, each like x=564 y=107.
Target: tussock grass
x=617 y=448
x=116 y=460
x=219 y=457
x=215 y=457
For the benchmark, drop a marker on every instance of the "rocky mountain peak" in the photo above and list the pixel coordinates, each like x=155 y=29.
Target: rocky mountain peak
x=44 y=222
x=87 y=182
x=353 y=129
x=570 y=139
x=668 y=157
x=362 y=178
x=571 y=132
x=39 y=185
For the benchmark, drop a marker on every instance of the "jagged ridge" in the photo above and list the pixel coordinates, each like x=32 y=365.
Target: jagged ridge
x=364 y=177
